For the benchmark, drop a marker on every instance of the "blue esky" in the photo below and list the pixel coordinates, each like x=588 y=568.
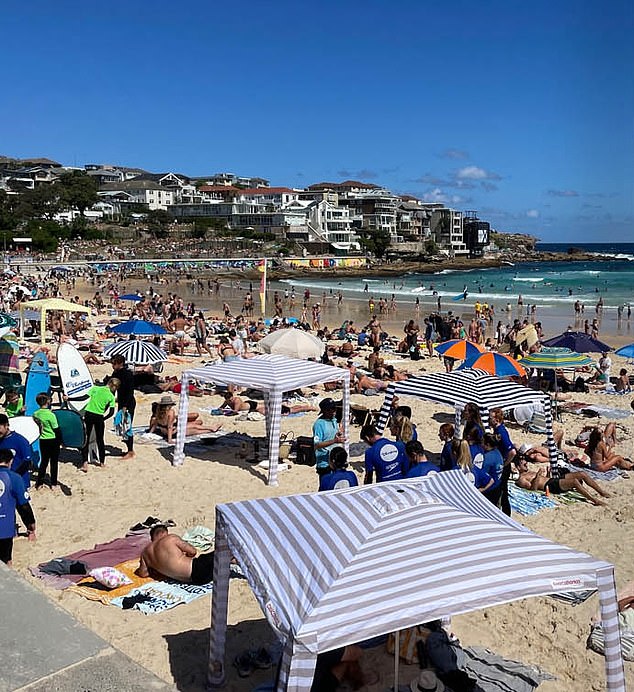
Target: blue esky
x=523 y=111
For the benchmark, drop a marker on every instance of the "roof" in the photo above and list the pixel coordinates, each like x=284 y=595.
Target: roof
x=267 y=191
x=54 y=304
x=345 y=183
x=330 y=569
x=134 y=184
x=159 y=176
x=269 y=373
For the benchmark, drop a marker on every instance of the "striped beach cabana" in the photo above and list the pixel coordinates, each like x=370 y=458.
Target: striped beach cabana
x=271 y=374
x=331 y=569
x=460 y=387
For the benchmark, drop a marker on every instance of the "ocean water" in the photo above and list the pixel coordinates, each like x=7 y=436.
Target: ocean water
x=548 y=285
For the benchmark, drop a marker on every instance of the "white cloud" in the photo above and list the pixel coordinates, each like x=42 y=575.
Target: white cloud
x=435 y=195
x=476 y=173
x=532 y=214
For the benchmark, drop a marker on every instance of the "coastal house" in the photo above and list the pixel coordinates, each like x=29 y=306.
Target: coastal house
x=447 y=229
x=231 y=180
x=137 y=191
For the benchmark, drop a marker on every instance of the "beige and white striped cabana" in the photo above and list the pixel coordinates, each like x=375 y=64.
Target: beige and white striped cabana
x=273 y=375
x=331 y=569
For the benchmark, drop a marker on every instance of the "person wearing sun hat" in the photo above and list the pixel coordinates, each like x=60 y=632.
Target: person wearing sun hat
x=164 y=421
x=427 y=681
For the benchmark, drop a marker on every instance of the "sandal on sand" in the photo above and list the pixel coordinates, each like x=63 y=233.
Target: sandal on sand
x=261 y=659
x=243 y=664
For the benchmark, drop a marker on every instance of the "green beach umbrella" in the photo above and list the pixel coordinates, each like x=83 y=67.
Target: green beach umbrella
x=6 y=320
x=556 y=360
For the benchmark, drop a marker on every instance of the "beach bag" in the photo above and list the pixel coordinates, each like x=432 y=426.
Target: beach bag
x=286 y=442
x=408 y=643
x=305 y=451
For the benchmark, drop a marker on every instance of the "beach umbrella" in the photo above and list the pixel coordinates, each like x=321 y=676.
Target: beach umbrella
x=579 y=342
x=556 y=360
x=626 y=351
x=7 y=320
x=460 y=349
x=136 y=352
x=131 y=296
x=294 y=343
x=138 y=327
x=9 y=355
x=495 y=364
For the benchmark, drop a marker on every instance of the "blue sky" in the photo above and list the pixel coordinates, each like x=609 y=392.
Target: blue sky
x=523 y=111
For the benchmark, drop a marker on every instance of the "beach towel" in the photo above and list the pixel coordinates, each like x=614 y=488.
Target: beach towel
x=573 y=598
x=611 y=475
x=497 y=674
x=162 y=595
x=101 y=555
x=528 y=502
x=200 y=537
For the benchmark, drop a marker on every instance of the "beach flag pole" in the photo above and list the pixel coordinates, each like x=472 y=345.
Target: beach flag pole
x=262 y=268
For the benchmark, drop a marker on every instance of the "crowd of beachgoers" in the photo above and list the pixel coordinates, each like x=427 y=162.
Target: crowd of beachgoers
x=214 y=319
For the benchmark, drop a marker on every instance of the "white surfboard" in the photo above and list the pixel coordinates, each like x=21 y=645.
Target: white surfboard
x=25 y=426
x=75 y=376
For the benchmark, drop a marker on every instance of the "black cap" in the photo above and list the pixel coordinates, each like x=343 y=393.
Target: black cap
x=327 y=404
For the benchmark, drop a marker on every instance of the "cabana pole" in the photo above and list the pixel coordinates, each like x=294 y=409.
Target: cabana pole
x=219 y=606
x=614 y=669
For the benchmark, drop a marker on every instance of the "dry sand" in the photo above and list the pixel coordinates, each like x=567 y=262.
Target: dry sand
x=106 y=502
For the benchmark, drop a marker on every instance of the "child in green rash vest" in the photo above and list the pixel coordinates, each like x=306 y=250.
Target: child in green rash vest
x=14 y=404
x=50 y=440
x=100 y=407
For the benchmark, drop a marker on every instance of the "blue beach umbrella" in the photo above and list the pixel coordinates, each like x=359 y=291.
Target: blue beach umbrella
x=579 y=342
x=131 y=296
x=139 y=328
x=626 y=351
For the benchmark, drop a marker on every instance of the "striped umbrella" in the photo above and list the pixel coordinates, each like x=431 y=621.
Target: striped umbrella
x=556 y=360
x=495 y=364
x=136 y=352
x=460 y=349
x=9 y=355
x=139 y=327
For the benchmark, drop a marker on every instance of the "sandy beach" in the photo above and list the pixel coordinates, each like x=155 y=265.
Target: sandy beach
x=104 y=503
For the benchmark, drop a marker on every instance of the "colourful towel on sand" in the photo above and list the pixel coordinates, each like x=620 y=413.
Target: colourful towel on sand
x=159 y=595
x=163 y=595
x=92 y=590
x=528 y=502
x=101 y=555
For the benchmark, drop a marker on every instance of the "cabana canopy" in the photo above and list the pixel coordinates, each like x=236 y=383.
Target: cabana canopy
x=463 y=386
x=43 y=306
x=273 y=375
x=331 y=569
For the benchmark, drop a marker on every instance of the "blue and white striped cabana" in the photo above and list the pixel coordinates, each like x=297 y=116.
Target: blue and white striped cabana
x=331 y=569
x=460 y=387
x=273 y=375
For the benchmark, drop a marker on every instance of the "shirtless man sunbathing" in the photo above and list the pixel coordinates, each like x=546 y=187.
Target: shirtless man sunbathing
x=170 y=556
x=237 y=404
x=569 y=480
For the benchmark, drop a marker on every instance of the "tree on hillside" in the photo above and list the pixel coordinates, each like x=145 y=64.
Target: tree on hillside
x=40 y=203
x=8 y=214
x=158 y=221
x=77 y=190
x=376 y=241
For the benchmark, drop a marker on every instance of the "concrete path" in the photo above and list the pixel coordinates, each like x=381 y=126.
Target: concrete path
x=44 y=649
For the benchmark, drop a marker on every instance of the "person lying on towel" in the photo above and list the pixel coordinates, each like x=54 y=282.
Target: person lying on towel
x=568 y=480
x=168 y=555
